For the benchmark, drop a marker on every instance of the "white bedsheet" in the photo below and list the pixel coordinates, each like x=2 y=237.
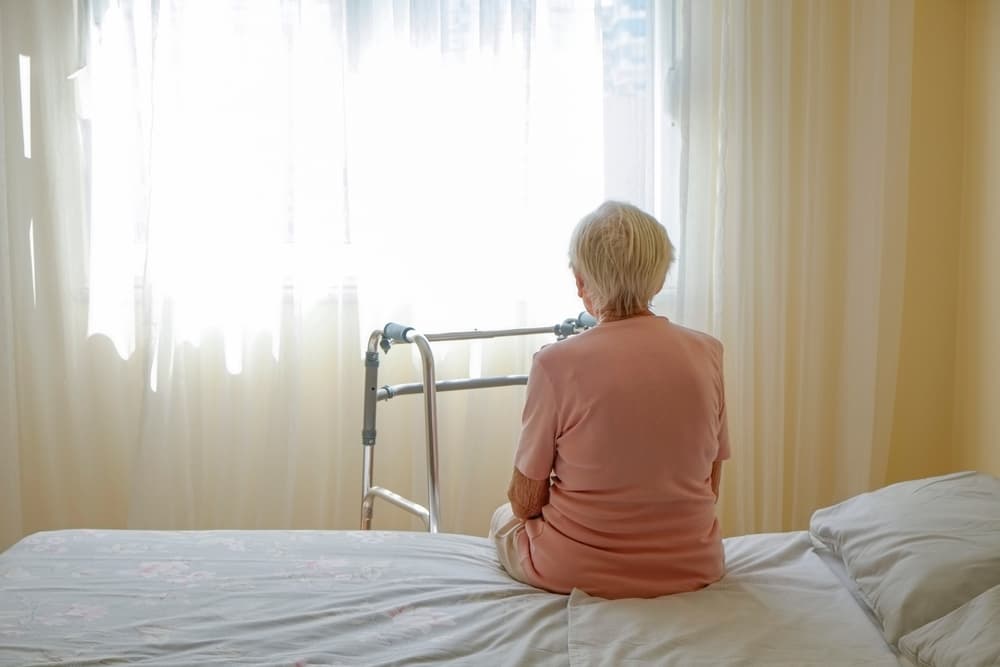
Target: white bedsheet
x=779 y=604
x=270 y=598
x=396 y=598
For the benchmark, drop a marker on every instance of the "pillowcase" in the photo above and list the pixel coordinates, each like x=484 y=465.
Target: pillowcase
x=967 y=637
x=917 y=550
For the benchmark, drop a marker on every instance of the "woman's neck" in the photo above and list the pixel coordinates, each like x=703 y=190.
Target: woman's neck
x=611 y=318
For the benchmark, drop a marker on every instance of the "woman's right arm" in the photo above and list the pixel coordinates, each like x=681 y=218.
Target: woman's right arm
x=716 y=478
x=723 y=434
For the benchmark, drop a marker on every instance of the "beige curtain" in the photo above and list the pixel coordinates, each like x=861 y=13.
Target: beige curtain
x=794 y=177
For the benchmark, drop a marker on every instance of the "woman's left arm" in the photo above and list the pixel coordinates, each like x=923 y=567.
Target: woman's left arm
x=536 y=448
x=527 y=496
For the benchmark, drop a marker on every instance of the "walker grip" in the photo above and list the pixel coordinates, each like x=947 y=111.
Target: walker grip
x=586 y=320
x=396 y=332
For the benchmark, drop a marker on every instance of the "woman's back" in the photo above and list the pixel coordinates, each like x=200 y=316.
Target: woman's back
x=638 y=414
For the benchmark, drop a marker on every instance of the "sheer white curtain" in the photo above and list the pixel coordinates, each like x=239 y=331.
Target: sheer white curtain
x=416 y=151
x=793 y=176
x=226 y=197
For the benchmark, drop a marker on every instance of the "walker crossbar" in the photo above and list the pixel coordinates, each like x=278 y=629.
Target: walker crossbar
x=391 y=391
x=399 y=333
x=469 y=335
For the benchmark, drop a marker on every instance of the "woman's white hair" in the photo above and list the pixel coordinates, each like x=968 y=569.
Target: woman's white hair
x=623 y=255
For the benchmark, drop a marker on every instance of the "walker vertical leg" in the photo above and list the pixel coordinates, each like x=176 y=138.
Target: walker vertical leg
x=430 y=424
x=368 y=429
x=367 y=501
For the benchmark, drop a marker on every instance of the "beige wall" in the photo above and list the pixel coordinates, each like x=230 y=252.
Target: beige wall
x=947 y=412
x=922 y=421
x=977 y=374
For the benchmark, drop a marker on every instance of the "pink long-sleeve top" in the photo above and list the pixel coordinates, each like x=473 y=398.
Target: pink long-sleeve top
x=627 y=419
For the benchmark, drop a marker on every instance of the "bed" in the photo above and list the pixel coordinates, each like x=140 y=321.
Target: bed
x=96 y=597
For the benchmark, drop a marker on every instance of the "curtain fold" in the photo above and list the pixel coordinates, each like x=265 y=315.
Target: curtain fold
x=10 y=465
x=793 y=238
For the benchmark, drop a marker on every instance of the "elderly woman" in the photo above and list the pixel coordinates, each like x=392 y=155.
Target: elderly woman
x=623 y=435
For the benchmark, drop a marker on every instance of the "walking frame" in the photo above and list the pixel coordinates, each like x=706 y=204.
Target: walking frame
x=394 y=333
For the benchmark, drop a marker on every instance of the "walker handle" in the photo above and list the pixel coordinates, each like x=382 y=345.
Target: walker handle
x=586 y=320
x=396 y=332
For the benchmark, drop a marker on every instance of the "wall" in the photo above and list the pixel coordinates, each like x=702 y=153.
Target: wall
x=923 y=414
x=977 y=378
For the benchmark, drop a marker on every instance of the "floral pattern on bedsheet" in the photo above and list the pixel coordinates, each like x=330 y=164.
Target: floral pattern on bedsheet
x=270 y=597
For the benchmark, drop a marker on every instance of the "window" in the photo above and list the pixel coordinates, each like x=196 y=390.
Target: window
x=426 y=155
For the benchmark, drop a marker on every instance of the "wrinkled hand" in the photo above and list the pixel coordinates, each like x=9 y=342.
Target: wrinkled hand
x=527 y=496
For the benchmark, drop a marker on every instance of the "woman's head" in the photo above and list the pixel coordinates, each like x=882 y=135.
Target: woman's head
x=620 y=256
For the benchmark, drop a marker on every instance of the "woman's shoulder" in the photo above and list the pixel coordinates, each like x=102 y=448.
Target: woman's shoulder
x=553 y=351
x=635 y=335
x=698 y=336
x=569 y=352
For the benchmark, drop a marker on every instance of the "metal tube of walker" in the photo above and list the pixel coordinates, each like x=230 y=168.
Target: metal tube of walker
x=386 y=392
x=430 y=422
x=368 y=429
x=496 y=333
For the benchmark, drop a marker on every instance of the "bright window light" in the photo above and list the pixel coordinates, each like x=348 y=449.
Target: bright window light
x=297 y=157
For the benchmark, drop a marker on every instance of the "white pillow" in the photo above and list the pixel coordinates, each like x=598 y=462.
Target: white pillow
x=917 y=550
x=967 y=637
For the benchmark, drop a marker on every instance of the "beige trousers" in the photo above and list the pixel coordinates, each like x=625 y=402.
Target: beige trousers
x=504 y=531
